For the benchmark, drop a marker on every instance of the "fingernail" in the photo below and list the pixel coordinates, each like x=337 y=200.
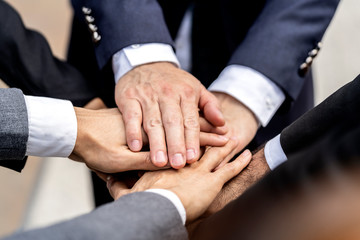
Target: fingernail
x=177 y=160
x=135 y=145
x=160 y=157
x=246 y=153
x=190 y=154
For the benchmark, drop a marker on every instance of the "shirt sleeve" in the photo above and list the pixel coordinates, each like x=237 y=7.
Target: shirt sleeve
x=52 y=127
x=274 y=153
x=138 y=54
x=252 y=88
x=174 y=199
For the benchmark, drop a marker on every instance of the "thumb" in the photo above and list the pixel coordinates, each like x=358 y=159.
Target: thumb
x=209 y=105
x=116 y=188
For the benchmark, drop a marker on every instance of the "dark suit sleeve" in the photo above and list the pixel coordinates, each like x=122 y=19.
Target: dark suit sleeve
x=14 y=129
x=27 y=63
x=281 y=37
x=140 y=215
x=342 y=105
x=122 y=23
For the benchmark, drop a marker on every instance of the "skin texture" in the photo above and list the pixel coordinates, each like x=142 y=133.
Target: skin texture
x=256 y=170
x=101 y=142
x=165 y=100
x=240 y=120
x=196 y=185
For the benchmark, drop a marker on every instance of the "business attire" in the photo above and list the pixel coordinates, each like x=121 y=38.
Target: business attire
x=27 y=63
x=255 y=34
x=314 y=188
x=27 y=127
x=142 y=215
x=250 y=48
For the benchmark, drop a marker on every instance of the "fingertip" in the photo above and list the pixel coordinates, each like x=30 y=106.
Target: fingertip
x=177 y=161
x=135 y=145
x=160 y=159
x=191 y=156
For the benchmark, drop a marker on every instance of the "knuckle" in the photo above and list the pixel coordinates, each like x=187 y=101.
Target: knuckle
x=131 y=115
x=191 y=122
x=130 y=93
x=167 y=90
x=152 y=123
x=173 y=121
x=188 y=91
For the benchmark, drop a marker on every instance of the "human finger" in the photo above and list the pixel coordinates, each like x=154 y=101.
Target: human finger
x=215 y=155
x=174 y=130
x=191 y=128
x=154 y=129
x=132 y=116
x=205 y=126
x=208 y=103
x=117 y=188
x=212 y=139
x=233 y=168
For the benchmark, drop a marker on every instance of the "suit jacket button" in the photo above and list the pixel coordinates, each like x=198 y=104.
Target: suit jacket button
x=319 y=45
x=96 y=37
x=89 y=19
x=303 y=69
x=92 y=27
x=313 y=53
x=86 y=10
x=308 y=60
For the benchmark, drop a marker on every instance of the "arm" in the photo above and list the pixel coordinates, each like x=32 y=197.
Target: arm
x=263 y=71
x=140 y=215
x=48 y=127
x=159 y=96
x=27 y=63
x=14 y=130
x=148 y=215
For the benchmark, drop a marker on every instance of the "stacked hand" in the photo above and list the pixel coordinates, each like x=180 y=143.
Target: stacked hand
x=196 y=184
x=101 y=142
x=165 y=101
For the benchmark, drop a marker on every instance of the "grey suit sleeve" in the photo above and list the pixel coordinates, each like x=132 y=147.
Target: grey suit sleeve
x=14 y=130
x=140 y=215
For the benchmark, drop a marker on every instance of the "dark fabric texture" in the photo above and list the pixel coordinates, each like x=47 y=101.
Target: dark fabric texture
x=333 y=111
x=27 y=63
x=311 y=196
x=14 y=130
x=135 y=216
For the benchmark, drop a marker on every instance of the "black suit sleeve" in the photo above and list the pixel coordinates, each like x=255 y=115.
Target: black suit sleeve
x=342 y=105
x=27 y=63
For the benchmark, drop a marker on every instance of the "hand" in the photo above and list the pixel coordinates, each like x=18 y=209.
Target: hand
x=196 y=185
x=165 y=101
x=101 y=142
x=256 y=170
x=240 y=120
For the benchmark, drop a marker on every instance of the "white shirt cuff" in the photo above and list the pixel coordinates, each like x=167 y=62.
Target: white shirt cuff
x=52 y=127
x=138 y=54
x=252 y=88
x=274 y=153
x=174 y=199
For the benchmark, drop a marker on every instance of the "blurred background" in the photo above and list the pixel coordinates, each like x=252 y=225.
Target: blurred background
x=54 y=189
